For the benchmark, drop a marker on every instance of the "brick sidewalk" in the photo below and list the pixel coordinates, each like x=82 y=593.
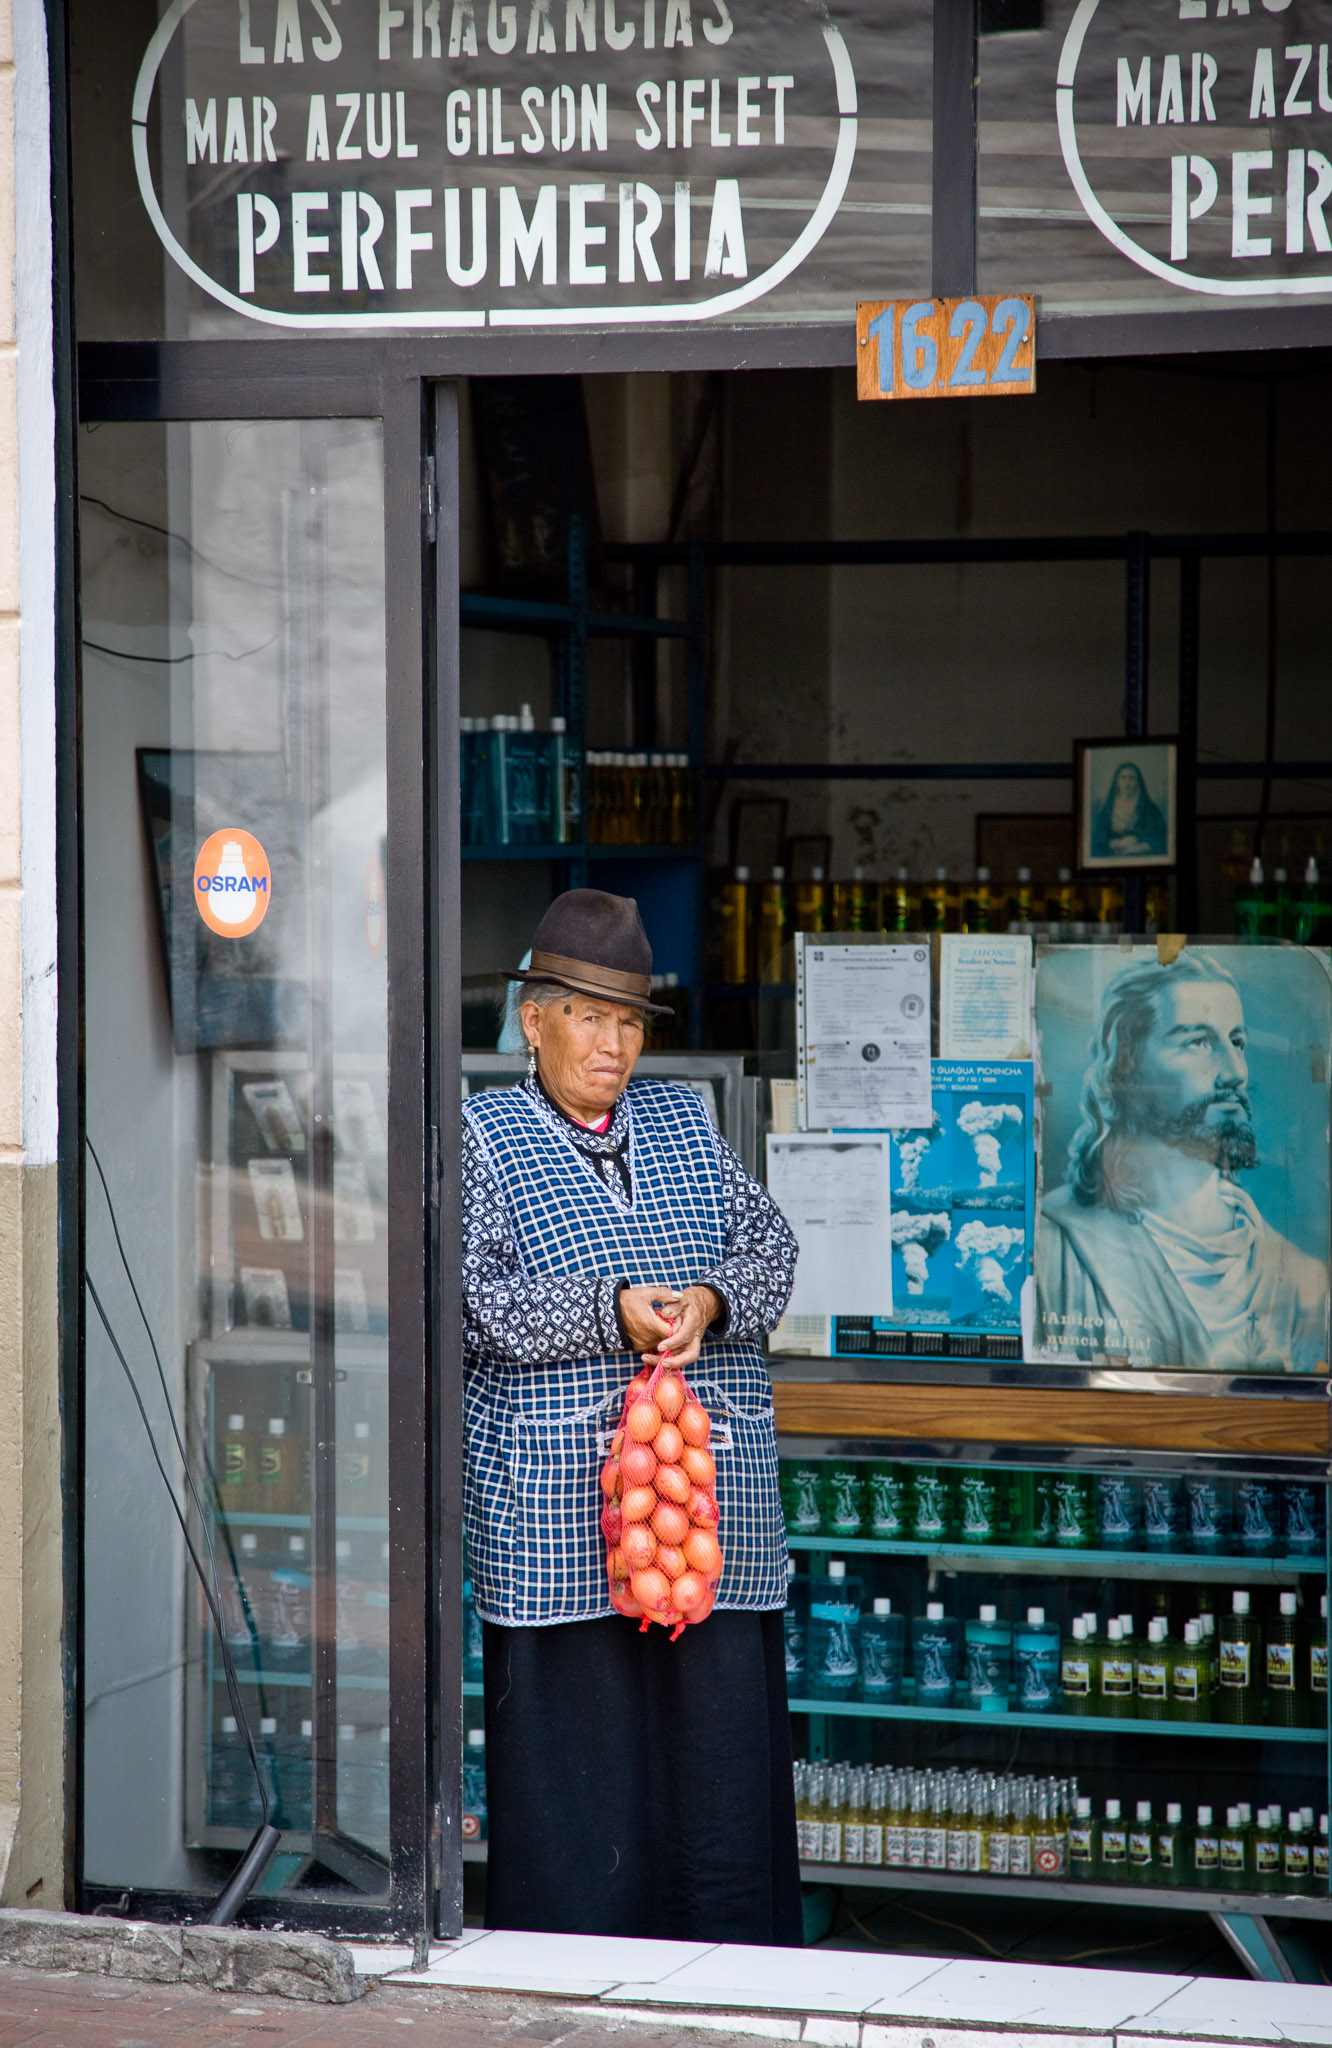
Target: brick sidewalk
x=67 y=2011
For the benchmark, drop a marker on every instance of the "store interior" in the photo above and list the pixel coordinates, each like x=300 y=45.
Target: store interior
x=719 y=761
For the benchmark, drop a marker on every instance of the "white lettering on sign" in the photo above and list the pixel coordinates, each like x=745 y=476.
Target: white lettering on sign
x=497 y=162
x=1239 y=215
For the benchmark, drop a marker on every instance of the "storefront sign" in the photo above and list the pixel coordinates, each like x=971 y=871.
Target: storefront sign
x=1198 y=139
x=442 y=164
x=946 y=348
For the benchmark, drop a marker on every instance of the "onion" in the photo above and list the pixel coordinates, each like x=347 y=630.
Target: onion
x=639 y=1503
x=688 y=1594
x=700 y=1466
x=670 y=1396
x=638 y=1464
x=640 y=1547
x=623 y=1601
x=668 y=1443
x=670 y=1560
x=643 y=1421
x=612 y=1522
x=694 y=1425
x=617 y=1566
x=703 y=1553
x=672 y=1484
x=702 y=1510
x=617 y=1443
x=670 y=1522
x=610 y=1479
x=637 y=1388
x=652 y=1590
x=702 y=1613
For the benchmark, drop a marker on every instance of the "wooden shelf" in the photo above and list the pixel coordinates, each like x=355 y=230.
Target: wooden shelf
x=1032 y=1415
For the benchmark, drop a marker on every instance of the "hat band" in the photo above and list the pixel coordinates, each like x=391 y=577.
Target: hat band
x=612 y=979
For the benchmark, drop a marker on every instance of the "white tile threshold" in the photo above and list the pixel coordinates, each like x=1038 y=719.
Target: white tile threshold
x=848 y=1998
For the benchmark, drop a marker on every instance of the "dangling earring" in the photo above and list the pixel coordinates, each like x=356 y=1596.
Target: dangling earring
x=531 y=1061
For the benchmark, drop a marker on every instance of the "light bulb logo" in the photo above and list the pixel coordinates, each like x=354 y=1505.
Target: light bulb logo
x=232 y=884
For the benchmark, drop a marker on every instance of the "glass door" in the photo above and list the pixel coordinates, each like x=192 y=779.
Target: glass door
x=244 y=1251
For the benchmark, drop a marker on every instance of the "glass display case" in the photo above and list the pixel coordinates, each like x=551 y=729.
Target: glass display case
x=1073 y=1670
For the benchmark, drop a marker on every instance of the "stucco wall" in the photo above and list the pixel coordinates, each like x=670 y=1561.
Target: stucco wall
x=31 y=1709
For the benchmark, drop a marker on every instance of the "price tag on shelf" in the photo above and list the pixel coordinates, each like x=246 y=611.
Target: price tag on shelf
x=946 y=348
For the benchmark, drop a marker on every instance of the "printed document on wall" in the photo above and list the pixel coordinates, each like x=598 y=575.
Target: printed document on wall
x=863 y=1025
x=833 y=1189
x=984 y=996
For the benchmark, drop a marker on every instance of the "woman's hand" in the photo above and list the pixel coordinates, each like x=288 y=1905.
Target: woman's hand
x=688 y=1315
x=643 y=1326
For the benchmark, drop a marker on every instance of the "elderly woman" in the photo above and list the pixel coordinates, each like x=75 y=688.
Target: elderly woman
x=635 y=1786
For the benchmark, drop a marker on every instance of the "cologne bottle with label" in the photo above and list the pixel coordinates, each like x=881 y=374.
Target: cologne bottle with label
x=989 y=1662
x=1075 y=1671
x=1153 y=1673
x=1239 y=1693
x=1287 y=1699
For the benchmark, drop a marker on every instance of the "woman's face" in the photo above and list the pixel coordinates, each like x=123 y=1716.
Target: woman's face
x=586 y=1049
x=1126 y=784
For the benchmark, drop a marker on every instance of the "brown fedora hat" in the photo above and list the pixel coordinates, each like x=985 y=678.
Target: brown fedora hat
x=594 y=943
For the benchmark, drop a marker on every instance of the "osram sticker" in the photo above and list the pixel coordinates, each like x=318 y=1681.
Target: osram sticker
x=232 y=884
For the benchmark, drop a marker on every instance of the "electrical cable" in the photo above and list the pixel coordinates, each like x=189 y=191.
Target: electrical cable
x=266 y=1838
x=214 y=1608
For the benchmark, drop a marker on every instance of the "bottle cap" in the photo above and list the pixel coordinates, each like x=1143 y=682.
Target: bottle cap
x=934 y=1610
x=498 y=722
x=1174 y=1812
x=1090 y=1620
x=1084 y=1809
x=276 y=1426
x=476 y=1738
x=857 y=874
x=1156 y=1629
x=883 y=1605
x=268 y=1724
x=1311 y=870
x=1239 y=1603
x=904 y=874
x=1035 y=1617
x=1114 y=1630
x=1256 y=871
x=229 y=1724
x=941 y=874
x=742 y=874
x=1288 y=1603
x=1204 y=1816
x=790 y=1569
x=362 y=1431
x=526 y=722
x=1322 y=1823
x=1112 y=1809
x=1245 y=1812
x=1126 y=1624
x=558 y=724
x=836 y=1568
x=1192 y=1633
x=816 y=874
x=307 y=1729
x=296 y=1545
x=1065 y=874
x=1306 y=1815
x=342 y=1548
x=1024 y=874
x=249 y=1541
x=1232 y=1817
x=466 y=725
x=779 y=874
x=235 y=1422
x=989 y=1614
x=1296 y=1821
x=1144 y=1809
x=982 y=874
x=1079 y=1628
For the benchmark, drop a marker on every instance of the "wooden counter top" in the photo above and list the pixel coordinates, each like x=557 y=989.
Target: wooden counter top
x=1036 y=1415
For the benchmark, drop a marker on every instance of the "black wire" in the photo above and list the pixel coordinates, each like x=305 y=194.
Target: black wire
x=213 y=1592
x=233 y=1688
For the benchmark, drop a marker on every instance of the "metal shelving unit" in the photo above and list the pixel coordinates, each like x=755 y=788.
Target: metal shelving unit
x=571 y=625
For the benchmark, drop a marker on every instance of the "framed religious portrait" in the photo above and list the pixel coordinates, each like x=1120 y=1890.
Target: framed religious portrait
x=1126 y=804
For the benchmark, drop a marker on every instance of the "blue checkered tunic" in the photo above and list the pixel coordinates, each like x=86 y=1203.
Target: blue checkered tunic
x=546 y=1244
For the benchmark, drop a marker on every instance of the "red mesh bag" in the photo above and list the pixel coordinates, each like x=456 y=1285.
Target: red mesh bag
x=659 y=1515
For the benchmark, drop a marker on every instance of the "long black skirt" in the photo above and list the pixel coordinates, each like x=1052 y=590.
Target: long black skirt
x=642 y=1787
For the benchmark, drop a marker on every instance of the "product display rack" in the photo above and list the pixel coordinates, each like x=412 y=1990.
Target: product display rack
x=671 y=890
x=1108 y=1754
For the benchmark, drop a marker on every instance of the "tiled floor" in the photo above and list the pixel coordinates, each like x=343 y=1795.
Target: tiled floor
x=874 y=1998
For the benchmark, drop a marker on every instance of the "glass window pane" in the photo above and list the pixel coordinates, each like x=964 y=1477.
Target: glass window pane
x=237 y=995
